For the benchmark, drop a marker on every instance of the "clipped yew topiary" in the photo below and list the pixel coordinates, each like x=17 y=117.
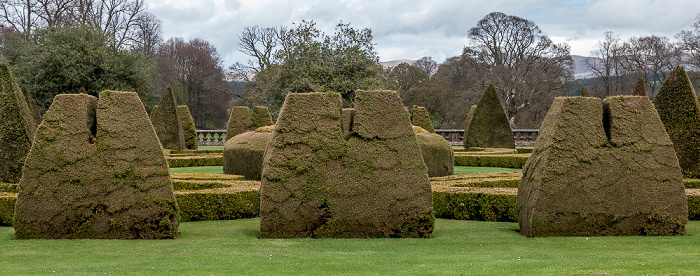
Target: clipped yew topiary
x=260 y=117
x=243 y=154
x=166 y=122
x=421 y=118
x=584 y=92
x=679 y=111
x=96 y=170
x=239 y=121
x=436 y=151
x=17 y=127
x=487 y=124
x=188 y=128
x=602 y=169
x=640 y=88
x=319 y=183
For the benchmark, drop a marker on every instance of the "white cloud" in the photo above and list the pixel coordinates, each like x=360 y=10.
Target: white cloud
x=415 y=28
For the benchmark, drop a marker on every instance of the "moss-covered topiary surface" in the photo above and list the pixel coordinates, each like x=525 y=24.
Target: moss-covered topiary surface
x=260 y=117
x=239 y=121
x=487 y=124
x=679 y=111
x=319 y=183
x=420 y=117
x=17 y=127
x=96 y=170
x=437 y=154
x=243 y=154
x=602 y=170
x=188 y=128
x=166 y=121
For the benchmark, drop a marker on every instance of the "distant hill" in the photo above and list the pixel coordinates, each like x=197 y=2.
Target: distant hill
x=581 y=70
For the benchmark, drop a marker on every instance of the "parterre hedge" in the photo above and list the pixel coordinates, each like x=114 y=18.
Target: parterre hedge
x=193 y=161
x=489 y=197
x=501 y=160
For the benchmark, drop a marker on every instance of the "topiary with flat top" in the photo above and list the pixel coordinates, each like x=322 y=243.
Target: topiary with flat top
x=239 y=121
x=188 y=128
x=680 y=112
x=487 y=125
x=96 y=170
x=260 y=117
x=318 y=182
x=17 y=127
x=166 y=122
x=420 y=117
x=602 y=169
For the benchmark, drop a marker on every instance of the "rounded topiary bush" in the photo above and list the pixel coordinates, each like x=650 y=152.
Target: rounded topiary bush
x=243 y=153
x=437 y=152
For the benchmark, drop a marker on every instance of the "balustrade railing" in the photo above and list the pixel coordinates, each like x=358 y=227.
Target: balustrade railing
x=523 y=137
x=211 y=137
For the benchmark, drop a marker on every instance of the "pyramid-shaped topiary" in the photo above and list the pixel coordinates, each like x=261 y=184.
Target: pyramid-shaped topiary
x=167 y=123
x=319 y=183
x=487 y=125
x=602 y=168
x=584 y=92
x=17 y=127
x=640 y=88
x=188 y=128
x=680 y=112
x=96 y=170
x=420 y=117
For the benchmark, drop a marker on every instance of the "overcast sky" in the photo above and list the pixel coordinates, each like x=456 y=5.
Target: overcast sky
x=411 y=29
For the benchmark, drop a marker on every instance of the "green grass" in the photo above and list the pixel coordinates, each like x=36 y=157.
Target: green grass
x=457 y=170
x=458 y=248
x=210 y=147
x=200 y=169
x=472 y=170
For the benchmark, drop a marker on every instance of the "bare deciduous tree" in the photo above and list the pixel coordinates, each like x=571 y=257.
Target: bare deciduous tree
x=428 y=65
x=652 y=57
x=607 y=64
x=525 y=66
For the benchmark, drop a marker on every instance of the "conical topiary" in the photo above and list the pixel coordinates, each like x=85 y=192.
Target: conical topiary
x=584 y=92
x=33 y=108
x=167 y=122
x=260 y=117
x=680 y=112
x=487 y=124
x=17 y=127
x=188 y=127
x=239 y=121
x=640 y=88
x=421 y=118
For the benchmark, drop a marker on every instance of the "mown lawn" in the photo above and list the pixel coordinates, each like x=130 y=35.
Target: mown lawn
x=457 y=170
x=458 y=248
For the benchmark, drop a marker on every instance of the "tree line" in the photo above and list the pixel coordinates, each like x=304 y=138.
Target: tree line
x=69 y=46
x=86 y=46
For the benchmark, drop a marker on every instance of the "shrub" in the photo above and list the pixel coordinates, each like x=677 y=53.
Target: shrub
x=680 y=113
x=167 y=123
x=317 y=182
x=584 y=92
x=106 y=178
x=218 y=204
x=188 y=128
x=243 y=154
x=194 y=161
x=500 y=160
x=437 y=154
x=17 y=127
x=640 y=88
x=239 y=121
x=602 y=169
x=421 y=118
x=487 y=124
x=260 y=117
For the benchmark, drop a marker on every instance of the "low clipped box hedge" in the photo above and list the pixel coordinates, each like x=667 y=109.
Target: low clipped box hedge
x=218 y=204
x=474 y=206
x=193 y=161
x=501 y=160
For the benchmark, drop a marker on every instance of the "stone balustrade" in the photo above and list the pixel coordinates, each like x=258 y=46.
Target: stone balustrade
x=523 y=137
